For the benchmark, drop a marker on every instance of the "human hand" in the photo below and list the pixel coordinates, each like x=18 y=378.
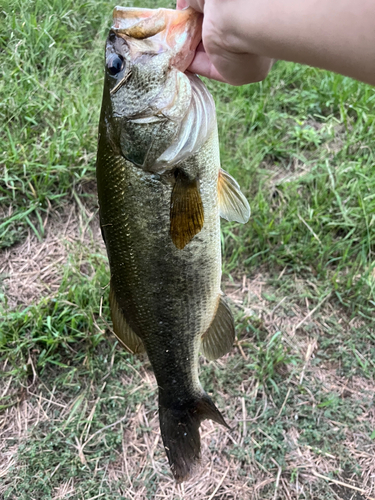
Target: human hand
x=220 y=56
x=241 y=38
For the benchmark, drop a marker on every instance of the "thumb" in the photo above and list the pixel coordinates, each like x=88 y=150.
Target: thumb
x=239 y=69
x=181 y=4
x=196 y=4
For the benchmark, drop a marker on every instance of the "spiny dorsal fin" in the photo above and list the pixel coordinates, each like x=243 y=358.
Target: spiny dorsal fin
x=122 y=330
x=233 y=205
x=186 y=210
x=219 y=338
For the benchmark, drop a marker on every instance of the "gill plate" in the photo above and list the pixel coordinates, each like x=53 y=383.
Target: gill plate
x=195 y=128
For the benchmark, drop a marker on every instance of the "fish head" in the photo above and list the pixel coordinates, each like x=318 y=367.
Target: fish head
x=148 y=98
x=174 y=34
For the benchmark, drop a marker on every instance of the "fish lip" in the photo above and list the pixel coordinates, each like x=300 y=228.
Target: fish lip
x=178 y=31
x=144 y=28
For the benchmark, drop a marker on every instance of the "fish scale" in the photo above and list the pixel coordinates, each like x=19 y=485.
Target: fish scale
x=144 y=278
x=161 y=193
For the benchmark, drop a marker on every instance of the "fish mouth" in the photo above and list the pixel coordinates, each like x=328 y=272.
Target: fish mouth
x=178 y=31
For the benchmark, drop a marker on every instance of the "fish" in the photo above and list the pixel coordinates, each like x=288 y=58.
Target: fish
x=161 y=194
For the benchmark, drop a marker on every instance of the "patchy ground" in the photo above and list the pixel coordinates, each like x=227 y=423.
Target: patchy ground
x=79 y=414
x=33 y=269
x=302 y=424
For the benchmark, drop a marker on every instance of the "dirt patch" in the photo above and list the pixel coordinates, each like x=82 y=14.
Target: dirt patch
x=33 y=269
x=332 y=136
x=231 y=468
x=223 y=474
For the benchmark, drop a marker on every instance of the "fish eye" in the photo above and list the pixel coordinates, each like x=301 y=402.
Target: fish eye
x=115 y=63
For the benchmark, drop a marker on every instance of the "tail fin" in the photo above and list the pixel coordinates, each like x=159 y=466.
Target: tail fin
x=180 y=432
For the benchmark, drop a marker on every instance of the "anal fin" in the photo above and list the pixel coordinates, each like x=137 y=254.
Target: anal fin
x=233 y=205
x=186 y=213
x=122 y=330
x=219 y=338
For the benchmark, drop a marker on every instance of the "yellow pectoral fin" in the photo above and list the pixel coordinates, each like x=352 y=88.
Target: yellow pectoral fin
x=233 y=205
x=219 y=338
x=187 y=215
x=122 y=330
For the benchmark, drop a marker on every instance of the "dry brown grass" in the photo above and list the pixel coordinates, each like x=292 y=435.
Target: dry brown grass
x=221 y=477
x=35 y=269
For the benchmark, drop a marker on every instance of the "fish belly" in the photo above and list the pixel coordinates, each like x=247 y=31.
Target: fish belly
x=167 y=295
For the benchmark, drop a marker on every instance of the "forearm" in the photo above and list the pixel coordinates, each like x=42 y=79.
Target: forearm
x=338 y=35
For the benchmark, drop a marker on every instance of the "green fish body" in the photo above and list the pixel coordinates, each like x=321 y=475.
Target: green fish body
x=161 y=193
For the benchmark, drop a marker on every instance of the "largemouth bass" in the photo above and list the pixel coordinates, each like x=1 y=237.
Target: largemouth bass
x=161 y=194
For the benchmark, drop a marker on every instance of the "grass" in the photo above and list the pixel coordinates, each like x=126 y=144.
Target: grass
x=309 y=172
x=79 y=414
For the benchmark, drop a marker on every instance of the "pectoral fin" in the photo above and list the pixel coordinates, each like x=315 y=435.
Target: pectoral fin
x=187 y=215
x=233 y=205
x=122 y=330
x=219 y=338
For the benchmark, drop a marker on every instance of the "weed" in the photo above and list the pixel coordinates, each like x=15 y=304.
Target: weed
x=80 y=414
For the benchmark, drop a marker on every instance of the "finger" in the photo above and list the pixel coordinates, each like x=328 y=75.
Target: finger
x=203 y=66
x=181 y=4
x=200 y=48
x=196 y=4
x=239 y=69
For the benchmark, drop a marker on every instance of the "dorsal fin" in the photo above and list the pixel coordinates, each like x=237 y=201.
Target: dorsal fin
x=233 y=205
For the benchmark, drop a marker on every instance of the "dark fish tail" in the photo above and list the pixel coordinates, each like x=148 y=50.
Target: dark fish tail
x=179 y=426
